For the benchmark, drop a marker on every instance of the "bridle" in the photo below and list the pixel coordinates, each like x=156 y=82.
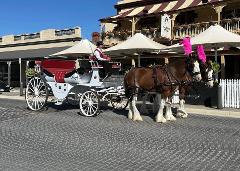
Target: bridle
x=191 y=71
x=209 y=78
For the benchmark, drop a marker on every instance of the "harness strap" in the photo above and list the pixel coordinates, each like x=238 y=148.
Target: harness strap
x=157 y=84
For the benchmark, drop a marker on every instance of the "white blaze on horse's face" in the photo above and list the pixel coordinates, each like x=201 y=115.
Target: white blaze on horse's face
x=209 y=78
x=196 y=71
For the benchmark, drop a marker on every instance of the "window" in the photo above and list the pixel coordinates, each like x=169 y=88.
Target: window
x=186 y=17
x=229 y=14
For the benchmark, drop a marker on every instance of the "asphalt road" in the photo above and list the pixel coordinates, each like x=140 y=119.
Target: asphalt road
x=61 y=139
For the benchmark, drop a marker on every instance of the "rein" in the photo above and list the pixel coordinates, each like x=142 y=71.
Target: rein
x=170 y=75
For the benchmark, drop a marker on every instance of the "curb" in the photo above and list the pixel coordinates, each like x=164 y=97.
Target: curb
x=192 y=110
x=12 y=97
x=214 y=112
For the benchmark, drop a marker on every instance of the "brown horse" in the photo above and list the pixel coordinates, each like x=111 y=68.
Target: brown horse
x=207 y=77
x=163 y=80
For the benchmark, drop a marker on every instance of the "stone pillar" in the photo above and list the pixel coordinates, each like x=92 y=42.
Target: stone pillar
x=9 y=73
x=9 y=39
x=222 y=67
x=48 y=34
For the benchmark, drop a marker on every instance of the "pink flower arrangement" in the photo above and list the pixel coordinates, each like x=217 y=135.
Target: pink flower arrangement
x=201 y=53
x=187 y=46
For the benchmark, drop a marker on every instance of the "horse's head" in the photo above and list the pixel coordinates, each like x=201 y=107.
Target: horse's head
x=207 y=73
x=193 y=68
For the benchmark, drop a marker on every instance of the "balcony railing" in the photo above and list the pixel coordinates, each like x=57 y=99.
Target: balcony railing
x=44 y=35
x=31 y=36
x=65 y=32
x=182 y=31
x=17 y=38
x=114 y=37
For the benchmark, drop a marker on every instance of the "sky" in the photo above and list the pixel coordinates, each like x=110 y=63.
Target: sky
x=29 y=16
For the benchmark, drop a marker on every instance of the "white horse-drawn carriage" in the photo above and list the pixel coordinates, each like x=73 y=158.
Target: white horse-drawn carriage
x=72 y=82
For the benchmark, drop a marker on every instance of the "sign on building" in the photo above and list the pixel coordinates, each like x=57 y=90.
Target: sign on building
x=166 y=26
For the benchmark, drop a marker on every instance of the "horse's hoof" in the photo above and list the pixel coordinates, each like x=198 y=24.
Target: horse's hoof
x=182 y=114
x=138 y=119
x=170 y=118
x=161 y=120
x=185 y=115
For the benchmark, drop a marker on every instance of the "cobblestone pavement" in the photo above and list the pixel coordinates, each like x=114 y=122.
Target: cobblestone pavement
x=61 y=139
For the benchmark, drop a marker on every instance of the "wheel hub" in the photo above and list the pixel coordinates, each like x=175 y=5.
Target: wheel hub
x=36 y=92
x=90 y=103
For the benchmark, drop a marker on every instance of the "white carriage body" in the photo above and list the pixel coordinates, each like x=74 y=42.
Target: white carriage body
x=73 y=84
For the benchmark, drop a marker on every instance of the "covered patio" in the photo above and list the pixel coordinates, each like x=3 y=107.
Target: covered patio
x=15 y=63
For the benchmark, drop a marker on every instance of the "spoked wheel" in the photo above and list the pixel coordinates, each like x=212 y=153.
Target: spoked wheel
x=89 y=103
x=119 y=102
x=36 y=94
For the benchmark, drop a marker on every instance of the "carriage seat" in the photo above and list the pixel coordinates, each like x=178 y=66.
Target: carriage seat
x=58 y=68
x=95 y=64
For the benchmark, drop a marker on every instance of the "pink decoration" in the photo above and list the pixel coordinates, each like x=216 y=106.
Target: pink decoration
x=187 y=46
x=201 y=53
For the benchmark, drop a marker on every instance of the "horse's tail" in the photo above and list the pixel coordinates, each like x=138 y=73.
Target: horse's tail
x=127 y=87
x=127 y=84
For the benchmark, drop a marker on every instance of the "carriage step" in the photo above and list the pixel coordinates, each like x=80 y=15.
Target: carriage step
x=58 y=103
x=114 y=78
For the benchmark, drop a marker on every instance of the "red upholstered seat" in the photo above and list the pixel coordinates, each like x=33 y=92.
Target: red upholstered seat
x=59 y=68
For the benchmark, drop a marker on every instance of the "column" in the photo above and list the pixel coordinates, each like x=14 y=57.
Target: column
x=9 y=73
x=218 y=10
x=27 y=67
x=134 y=22
x=173 y=18
x=222 y=67
x=133 y=62
x=21 y=81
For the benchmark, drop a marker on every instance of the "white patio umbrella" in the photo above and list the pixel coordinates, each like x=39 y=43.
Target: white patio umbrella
x=214 y=37
x=83 y=48
x=136 y=44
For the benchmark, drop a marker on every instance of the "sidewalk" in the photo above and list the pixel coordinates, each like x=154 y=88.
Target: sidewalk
x=14 y=94
x=225 y=112
x=194 y=109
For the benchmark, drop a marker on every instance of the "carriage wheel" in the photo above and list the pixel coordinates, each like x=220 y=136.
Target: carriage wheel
x=119 y=102
x=36 y=94
x=89 y=103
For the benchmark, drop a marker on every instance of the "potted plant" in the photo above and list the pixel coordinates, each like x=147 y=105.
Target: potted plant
x=30 y=72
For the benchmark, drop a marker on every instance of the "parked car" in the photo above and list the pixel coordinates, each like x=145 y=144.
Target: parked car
x=4 y=87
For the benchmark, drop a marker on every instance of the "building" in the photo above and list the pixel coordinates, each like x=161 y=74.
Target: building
x=168 y=21
x=18 y=52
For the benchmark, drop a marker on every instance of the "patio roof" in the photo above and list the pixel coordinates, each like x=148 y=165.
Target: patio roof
x=30 y=54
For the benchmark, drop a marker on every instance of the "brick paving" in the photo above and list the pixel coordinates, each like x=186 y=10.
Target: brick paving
x=61 y=139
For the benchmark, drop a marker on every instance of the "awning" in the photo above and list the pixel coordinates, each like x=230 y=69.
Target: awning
x=30 y=54
x=159 y=8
